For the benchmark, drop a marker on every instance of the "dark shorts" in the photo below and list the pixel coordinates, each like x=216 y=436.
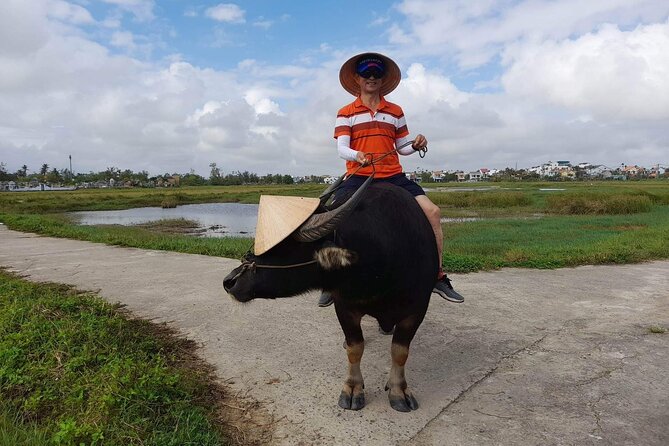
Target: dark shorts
x=355 y=181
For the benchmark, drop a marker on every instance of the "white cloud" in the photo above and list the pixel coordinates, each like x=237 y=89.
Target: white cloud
x=71 y=13
x=22 y=28
x=609 y=73
x=475 y=31
x=226 y=12
x=430 y=89
x=123 y=39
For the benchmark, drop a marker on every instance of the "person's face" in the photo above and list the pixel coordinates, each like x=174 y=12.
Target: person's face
x=370 y=85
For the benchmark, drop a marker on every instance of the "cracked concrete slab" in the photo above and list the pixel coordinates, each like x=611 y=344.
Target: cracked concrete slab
x=532 y=357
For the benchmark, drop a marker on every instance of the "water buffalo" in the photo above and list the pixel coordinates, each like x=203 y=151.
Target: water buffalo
x=377 y=256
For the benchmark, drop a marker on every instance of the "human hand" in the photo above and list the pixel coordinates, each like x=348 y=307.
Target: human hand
x=420 y=142
x=362 y=158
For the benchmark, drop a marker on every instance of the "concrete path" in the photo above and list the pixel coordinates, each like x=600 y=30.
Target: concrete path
x=562 y=357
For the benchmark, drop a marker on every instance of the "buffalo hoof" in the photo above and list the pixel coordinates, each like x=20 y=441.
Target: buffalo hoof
x=351 y=402
x=403 y=401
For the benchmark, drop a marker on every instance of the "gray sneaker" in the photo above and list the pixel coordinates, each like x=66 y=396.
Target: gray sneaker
x=444 y=288
x=325 y=300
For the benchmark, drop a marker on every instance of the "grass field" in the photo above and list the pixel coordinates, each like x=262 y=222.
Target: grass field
x=531 y=225
x=77 y=370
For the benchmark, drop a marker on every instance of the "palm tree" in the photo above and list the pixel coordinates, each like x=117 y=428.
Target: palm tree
x=44 y=170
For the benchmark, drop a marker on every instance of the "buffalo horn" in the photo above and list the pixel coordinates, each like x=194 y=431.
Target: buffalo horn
x=320 y=225
x=330 y=190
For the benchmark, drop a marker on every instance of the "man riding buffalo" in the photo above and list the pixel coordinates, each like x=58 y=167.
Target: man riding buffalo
x=370 y=132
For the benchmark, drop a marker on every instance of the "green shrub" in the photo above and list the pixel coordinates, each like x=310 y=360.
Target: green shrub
x=480 y=199
x=597 y=204
x=169 y=202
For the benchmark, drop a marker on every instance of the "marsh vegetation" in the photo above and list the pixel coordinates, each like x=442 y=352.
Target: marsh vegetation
x=532 y=225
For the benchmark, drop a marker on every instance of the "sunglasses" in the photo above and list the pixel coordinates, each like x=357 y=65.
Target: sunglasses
x=366 y=74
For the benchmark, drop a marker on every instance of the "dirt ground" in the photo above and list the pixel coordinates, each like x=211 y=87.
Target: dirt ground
x=533 y=357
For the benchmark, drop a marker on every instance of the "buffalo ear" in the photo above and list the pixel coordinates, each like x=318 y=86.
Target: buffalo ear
x=333 y=257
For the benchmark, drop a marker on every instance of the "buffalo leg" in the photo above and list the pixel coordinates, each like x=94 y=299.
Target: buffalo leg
x=401 y=398
x=352 y=395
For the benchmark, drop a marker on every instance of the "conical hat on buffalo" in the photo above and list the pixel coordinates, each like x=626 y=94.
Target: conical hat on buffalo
x=278 y=217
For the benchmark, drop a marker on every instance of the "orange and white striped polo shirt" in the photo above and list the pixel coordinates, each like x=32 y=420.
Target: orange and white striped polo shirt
x=373 y=133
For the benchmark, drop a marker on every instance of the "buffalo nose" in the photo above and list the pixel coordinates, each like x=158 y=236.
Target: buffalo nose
x=228 y=283
x=231 y=279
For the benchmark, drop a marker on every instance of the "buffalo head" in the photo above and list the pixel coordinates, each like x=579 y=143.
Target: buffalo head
x=296 y=264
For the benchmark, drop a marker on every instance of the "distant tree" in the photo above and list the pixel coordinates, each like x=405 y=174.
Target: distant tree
x=527 y=175
x=112 y=173
x=23 y=171
x=4 y=175
x=287 y=179
x=425 y=176
x=214 y=174
x=127 y=175
x=67 y=175
x=54 y=176
x=142 y=176
x=44 y=170
x=449 y=176
x=192 y=179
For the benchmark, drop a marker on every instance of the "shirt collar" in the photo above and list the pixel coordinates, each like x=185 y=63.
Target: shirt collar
x=358 y=103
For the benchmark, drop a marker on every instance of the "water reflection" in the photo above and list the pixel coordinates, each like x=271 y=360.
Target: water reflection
x=213 y=219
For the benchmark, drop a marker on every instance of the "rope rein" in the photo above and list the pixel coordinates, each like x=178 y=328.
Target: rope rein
x=293 y=265
x=252 y=265
x=372 y=161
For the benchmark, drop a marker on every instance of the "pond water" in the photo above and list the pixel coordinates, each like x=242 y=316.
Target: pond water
x=214 y=219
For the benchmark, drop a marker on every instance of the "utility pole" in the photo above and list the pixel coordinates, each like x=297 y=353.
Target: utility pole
x=71 y=173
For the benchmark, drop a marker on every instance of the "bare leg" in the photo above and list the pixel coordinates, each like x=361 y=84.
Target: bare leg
x=443 y=285
x=433 y=214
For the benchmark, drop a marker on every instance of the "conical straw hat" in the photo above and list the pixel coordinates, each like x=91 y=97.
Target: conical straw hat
x=278 y=217
x=347 y=75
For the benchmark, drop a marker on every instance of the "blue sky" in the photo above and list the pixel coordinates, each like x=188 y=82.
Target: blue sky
x=272 y=31
x=172 y=86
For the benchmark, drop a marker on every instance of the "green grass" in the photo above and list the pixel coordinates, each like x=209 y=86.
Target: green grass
x=557 y=241
x=14 y=431
x=75 y=370
x=488 y=199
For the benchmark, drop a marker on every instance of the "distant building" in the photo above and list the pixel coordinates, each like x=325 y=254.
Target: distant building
x=173 y=181
x=437 y=176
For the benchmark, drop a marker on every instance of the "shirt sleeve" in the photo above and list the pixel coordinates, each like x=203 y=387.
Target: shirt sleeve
x=399 y=142
x=342 y=126
x=402 y=136
x=401 y=129
x=344 y=149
